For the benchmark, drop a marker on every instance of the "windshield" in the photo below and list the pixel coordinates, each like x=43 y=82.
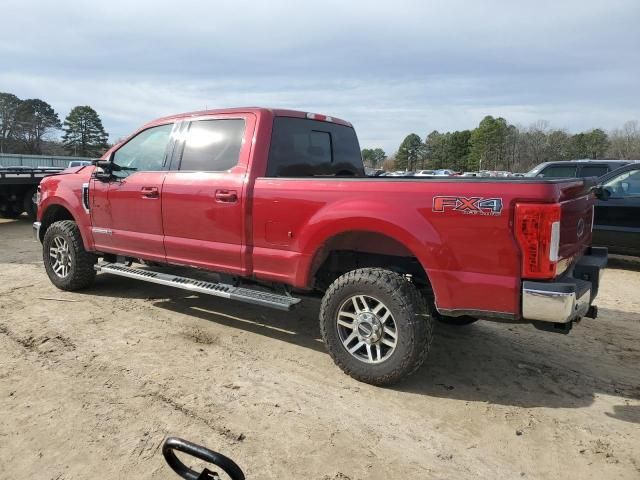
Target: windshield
x=535 y=170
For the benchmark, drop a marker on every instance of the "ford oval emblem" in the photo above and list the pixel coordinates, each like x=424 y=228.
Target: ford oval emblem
x=580 y=229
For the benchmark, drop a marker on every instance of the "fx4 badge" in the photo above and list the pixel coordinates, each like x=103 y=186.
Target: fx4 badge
x=468 y=205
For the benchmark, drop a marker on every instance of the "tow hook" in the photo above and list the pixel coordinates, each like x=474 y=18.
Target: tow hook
x=592 y=312
x=202 y=453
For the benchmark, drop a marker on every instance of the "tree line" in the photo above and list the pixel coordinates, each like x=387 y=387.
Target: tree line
x=32 y=126
x=497 y=145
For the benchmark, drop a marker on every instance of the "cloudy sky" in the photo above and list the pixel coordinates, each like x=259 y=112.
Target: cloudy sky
x=389 y=67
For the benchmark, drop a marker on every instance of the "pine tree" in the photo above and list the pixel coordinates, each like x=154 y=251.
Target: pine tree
x=35 y=119
x=410 y=152
x=84 y=134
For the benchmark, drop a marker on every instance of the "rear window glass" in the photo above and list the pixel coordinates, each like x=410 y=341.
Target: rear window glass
x=307 y=148
x=559 y=171
x=213 y=145
x=593 y=170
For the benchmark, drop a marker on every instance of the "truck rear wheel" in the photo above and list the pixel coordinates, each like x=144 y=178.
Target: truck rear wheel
x=68 y=265
x=375 y=325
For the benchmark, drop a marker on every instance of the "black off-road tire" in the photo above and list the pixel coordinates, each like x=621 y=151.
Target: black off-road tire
x=410 y=313
x=81 y=272
x=456 y=321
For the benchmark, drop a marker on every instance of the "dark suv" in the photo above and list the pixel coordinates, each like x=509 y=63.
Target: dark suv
x=576 y=168
x=617 y=220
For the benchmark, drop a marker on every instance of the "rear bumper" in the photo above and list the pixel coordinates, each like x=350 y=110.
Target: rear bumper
x=569 y=297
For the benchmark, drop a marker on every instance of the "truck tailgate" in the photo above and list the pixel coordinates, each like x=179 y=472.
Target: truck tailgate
x=576 y=217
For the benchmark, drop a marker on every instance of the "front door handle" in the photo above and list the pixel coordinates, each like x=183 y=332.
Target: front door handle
x=150 y=192
x=226 y=196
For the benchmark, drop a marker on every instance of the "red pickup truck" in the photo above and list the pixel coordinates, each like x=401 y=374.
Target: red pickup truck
x=277 y=203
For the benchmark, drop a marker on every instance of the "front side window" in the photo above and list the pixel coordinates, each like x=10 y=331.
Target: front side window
x=559 y=171
x=626 y=184
x=213 y=145
x=146 y=152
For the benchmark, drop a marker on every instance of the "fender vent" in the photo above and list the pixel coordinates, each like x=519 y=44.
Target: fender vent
x=85 y=197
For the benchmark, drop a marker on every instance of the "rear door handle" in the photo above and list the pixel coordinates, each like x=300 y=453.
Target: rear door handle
x=150 y=192
x=226 y=196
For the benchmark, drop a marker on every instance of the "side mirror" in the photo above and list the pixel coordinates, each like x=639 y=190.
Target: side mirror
x=601 y=193
x=104 y=170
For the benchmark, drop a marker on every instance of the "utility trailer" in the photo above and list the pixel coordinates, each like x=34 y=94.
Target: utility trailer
x=18 y=189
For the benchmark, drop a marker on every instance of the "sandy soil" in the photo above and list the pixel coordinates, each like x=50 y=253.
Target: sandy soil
x=92 y=382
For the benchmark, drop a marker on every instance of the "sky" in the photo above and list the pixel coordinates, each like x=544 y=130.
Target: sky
x=390 y=68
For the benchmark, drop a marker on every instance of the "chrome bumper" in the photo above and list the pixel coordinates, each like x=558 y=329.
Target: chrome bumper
x=36 y=230
x=569 y=297
x=554 y=306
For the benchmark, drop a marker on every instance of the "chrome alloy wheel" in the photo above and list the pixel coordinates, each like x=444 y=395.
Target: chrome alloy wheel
x=61 y=258
x=367 y=329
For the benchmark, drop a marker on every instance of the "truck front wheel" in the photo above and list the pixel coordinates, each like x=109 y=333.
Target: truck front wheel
x=68 y=265
x=375 y=325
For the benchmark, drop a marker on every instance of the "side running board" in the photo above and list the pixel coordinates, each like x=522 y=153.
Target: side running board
x=257 y=297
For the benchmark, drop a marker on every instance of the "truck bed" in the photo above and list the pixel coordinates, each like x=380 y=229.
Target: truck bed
x=24 y=176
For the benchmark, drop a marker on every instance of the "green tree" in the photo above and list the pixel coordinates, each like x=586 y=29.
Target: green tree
x=458 y=147
x=597 y=143
x=373 y=157
x=433 y=150
x=36 y=118
x=488 y=144
x=9 y=105
x=593 y=144
x=411 y=151
x=84 y=134
x=559 y=145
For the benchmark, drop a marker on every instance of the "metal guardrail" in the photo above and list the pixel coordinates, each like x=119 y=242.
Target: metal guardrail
x=35 y=161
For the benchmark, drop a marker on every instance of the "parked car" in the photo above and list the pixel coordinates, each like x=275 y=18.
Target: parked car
x=78 y=163
x=617 y=220
x=576 y=168
x=424 y=173
x=277 y=202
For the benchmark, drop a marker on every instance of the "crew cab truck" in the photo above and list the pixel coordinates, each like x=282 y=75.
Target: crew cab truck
x=278 y=198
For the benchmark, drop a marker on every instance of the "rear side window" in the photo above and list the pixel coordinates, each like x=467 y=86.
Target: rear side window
x=559 y=171
x=593 y=170
x=305 y=148
x=213 y=145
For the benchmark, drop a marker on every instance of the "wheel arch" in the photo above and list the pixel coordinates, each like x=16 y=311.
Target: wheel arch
x=364 y=247
x=52 y=213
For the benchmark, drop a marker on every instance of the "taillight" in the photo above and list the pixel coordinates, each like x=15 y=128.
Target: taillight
x=537 y=227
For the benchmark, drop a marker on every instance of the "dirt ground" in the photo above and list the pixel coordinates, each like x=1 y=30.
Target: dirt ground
x=91 y=383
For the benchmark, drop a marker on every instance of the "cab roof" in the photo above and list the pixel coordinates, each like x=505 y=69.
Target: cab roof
x=258 y=111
